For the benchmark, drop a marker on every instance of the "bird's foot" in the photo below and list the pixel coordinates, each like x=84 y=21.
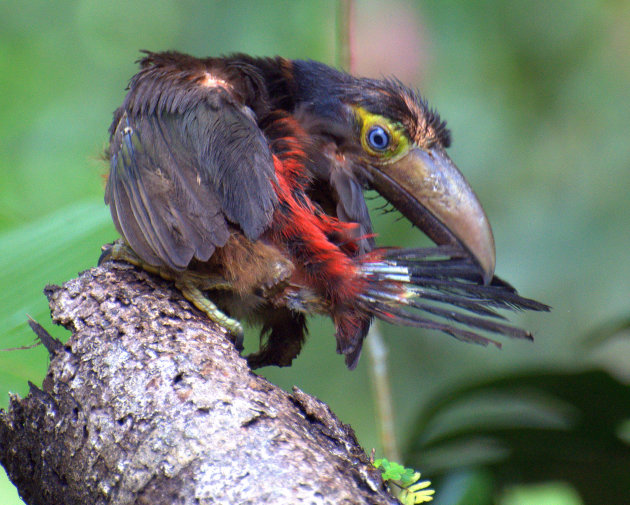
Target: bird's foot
x=190 y=289
x=191 y=284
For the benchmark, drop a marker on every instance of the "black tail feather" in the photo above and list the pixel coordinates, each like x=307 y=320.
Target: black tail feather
x=475 y=322
x=413 y=286
x=397 y=315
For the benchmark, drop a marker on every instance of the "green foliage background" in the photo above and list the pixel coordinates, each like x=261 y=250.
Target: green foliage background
x=536 y=94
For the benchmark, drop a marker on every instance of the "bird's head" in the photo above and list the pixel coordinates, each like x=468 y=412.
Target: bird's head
x=397 y=146
x=403 y=153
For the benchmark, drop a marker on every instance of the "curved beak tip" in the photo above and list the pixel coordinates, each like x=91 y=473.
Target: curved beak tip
x=485 y=257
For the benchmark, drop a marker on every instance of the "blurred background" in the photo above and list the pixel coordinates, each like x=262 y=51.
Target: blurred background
x=537 y=95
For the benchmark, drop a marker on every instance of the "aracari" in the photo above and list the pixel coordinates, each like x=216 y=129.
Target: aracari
x=242 y=180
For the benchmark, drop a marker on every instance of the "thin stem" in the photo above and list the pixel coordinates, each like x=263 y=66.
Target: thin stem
x=377 y=351
x=376 y=348
x=345 y=35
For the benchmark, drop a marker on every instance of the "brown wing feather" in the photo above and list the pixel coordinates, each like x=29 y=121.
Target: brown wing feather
x=186 y=157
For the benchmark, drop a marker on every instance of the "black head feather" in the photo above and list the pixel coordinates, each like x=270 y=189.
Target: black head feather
x=326 y=90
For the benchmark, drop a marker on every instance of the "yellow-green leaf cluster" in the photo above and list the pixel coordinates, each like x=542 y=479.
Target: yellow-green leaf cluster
x=410 y=489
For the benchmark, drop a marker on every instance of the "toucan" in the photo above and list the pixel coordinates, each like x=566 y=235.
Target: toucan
x=242 y=179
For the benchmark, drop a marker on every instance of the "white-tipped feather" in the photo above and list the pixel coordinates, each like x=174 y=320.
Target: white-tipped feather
x=399 y=293
x=390 y=270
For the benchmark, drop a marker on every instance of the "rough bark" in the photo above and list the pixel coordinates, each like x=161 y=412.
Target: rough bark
x=148 y=402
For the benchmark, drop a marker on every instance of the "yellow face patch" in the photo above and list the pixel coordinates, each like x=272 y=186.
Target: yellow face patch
x=380 y=137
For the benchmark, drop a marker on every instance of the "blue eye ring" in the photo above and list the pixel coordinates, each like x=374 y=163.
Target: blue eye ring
x=378 y=138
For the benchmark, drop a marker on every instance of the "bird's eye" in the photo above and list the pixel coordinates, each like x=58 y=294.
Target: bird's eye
x=378 y=138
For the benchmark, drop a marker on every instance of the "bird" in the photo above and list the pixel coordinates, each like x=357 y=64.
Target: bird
x=241 y=179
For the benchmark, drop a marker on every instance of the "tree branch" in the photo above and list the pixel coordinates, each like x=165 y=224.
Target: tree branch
x=149 y=403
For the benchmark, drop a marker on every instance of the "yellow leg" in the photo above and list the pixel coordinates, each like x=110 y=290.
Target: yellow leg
x=190 y=284
x=194 y=295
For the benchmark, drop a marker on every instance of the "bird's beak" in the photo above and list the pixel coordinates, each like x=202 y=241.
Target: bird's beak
x=429 y=190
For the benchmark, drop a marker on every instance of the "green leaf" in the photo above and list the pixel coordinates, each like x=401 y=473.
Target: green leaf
x=378 y=463
x=537 y=426
x=408 y=477
x=393 y=471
